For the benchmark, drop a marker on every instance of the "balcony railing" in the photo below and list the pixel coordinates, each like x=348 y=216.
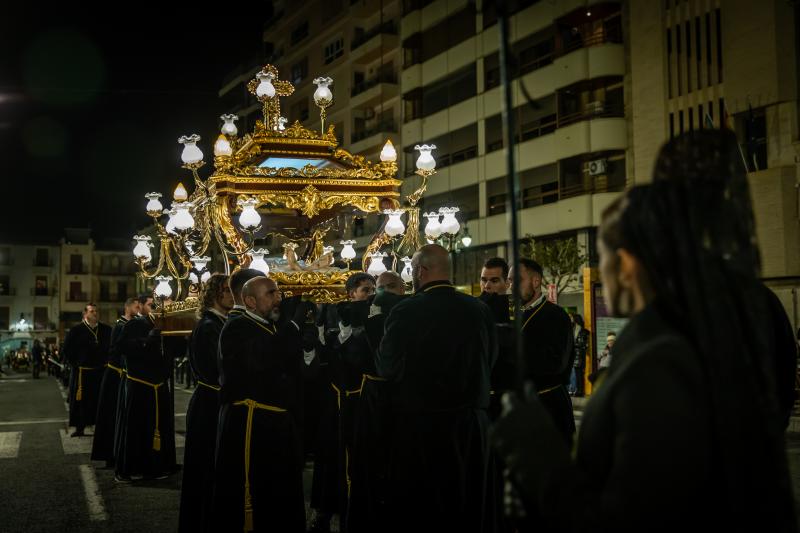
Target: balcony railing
x=597 y=109
x=77 y=297
x=43 y=292
x=389 y=27
x=8 y=291
x=387 y=126
x=72 y=269
x=611 y=34
x=43 y=262
x=365 y=85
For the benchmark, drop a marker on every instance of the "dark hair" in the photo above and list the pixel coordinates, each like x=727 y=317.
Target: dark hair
x=144 y=297
x=355 y=281
x=88 y=305
x=131 y=301
x=211 y=292
x=239 y=278
x=531 y=265
x=578 y=319
x=497 y=262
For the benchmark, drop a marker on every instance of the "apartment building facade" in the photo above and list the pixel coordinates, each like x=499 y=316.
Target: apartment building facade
x=29 y=302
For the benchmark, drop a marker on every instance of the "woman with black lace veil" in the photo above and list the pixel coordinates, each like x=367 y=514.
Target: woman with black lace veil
x=685 y=431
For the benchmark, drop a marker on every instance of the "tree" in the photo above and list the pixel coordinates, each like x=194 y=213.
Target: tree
x=561 y=259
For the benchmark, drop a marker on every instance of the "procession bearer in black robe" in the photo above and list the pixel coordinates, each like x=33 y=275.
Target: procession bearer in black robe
x=547 y=339
x=372 y=415
x=237 y=281
x=437 y=353
x=85 y=349
x=103 y=443
x=258 y=483
x=148 y=427
x=201 y=416
x=341 y=386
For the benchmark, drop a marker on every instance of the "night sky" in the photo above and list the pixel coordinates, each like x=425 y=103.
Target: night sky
x=90 y=113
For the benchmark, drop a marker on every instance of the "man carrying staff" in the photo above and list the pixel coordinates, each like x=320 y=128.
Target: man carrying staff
x=85 y=349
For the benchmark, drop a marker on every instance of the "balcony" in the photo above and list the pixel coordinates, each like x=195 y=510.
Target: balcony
x=592 y=110
x=43 y=292
x=73 y=269
x=367 y=138
x=77 y=297
x=45 y=262
x=374 y=90
x=119 y=270
x=8 y=291
x=371 y=44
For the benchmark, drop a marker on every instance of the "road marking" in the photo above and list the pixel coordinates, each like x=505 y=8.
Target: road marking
x=94 y=500
x=9 y=444
x=75 y=445
x=33 y=421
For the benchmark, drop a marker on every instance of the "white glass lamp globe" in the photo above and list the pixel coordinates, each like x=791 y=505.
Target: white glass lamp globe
x=183 y=219
x=222 y=148
x=323 y=95
x=265 y=87
x=425 y=160
x=388 y=153
x=258 y=262
x=153 y=202
x=406 y=273
x=433 y=228
x=142 y=249
x=163 y=289
x=191 y=153
x=466 y=240
x=376 y=266
x=193 y=278
x=228 y=127
x=249 y=220
x=348 y=253
x=394 y=226
x=205 y=276
x=449 y=223
x=200 y=262
x=180 y=194
x=170 y=227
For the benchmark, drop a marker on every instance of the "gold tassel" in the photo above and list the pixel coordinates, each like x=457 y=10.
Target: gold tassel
x=78 y=395
x=248 y=518
x=157 y=441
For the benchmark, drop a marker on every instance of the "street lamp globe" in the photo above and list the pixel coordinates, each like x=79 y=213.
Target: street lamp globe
x=265 y=87
x=163 y=289
x=388 y=153
x=450 y=224
x=183 y=219
x=348 y=253
x=376 y=266
x=425 y=160
x=142 y=249
x=406 y=273
x=153 y=202
x=323 y=95
x=394 y=226
x=249 y=220
x=228 y=127
x=258 y=261
x=222 y=148
x=433 y=228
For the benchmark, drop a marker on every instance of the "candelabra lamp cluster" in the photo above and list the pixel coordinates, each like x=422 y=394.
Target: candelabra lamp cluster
x=290 y=187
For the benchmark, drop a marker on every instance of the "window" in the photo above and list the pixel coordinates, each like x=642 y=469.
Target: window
x=5 y=285
x=456 y=146
x=300 y=109
x=755 y=139
x=300 y=71
x=529 y=122
x=412 y=104
x=334 y=50
x=42 y=257
x=719 y=44
x=531 y=53
x=448 y=33
x=5 y=256
x=4 y=318
x=299 y=33
x=538 y=186
x=456 y=88
x=40 y=287
x=591 y=173
x=465 y=198
x=40 y=319
x=75 y=291
x=122 y=291
x=105 y=293
x=76 y=264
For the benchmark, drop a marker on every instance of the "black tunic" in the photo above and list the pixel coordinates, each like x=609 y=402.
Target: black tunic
x=107 y=408
x=85 y=349
x=147 y=408
x=438 y=352
x=547 y=334
x=201 y=425
x=260 y=363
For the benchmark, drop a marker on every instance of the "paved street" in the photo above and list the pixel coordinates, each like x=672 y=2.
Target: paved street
x=48 y=483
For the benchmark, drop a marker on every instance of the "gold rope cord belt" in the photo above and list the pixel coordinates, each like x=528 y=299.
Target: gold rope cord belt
x=79 y=392
x=112 y=367
x=545 y=391
x=251 y=405
x=156 y=434
x=533 y=314
x=212 y=387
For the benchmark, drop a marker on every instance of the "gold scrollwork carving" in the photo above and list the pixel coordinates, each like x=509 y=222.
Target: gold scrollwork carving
x=327 y=295
x=311 y=201
x=311 y=277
